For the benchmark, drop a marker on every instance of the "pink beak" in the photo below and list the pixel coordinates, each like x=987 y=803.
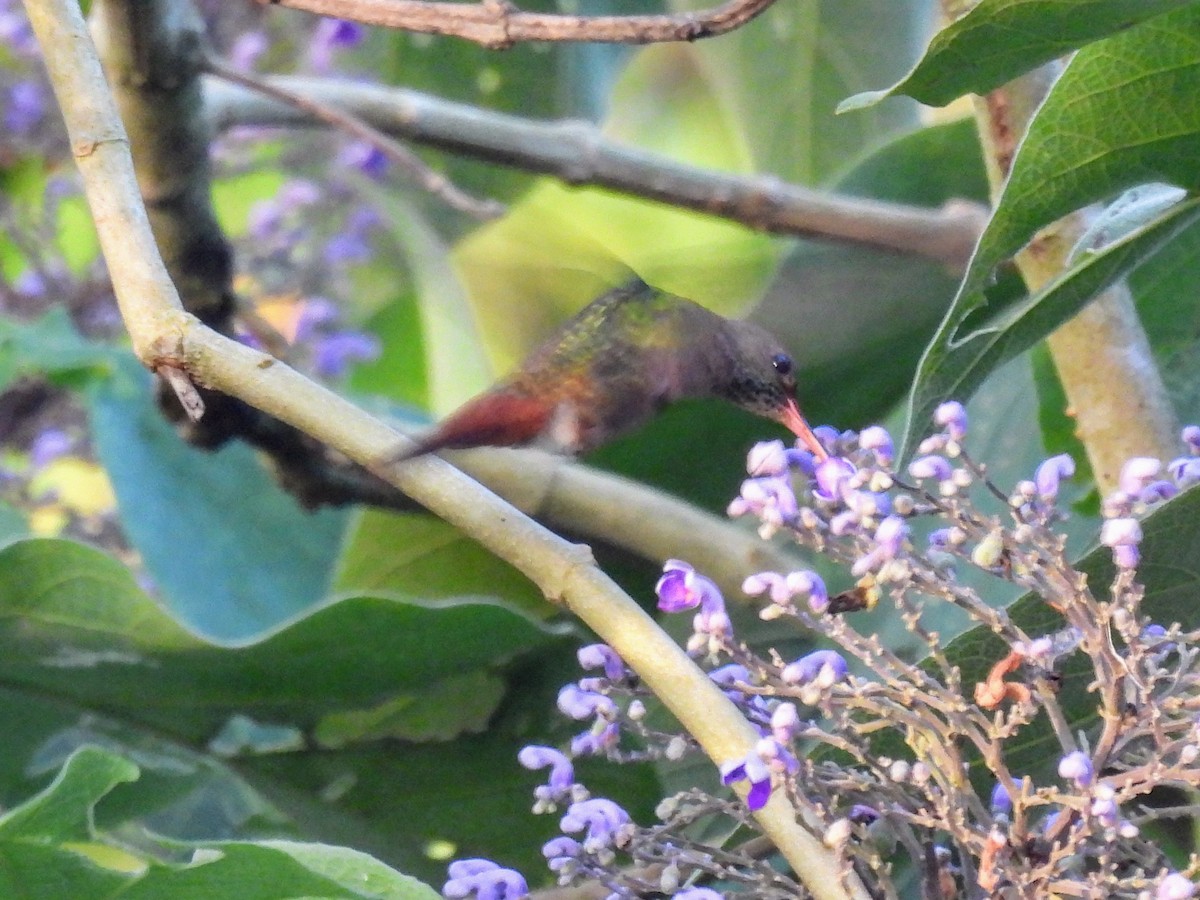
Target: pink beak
x=795 y=423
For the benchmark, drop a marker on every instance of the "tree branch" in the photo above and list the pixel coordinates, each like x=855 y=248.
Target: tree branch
x=497 y=24
x=408 y=162
x=564 y=572
x=578 y=154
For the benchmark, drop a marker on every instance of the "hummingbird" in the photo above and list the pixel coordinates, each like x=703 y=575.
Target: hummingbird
x=617 y=363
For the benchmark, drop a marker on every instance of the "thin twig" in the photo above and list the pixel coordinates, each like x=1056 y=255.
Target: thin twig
x=497 y=24
x=184 y=389
x=408 y=162
x=578 y=154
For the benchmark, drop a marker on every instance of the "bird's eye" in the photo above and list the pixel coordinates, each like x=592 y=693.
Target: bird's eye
x=782 y=363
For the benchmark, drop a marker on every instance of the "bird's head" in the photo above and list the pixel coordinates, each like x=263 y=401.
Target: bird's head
x=760 y=377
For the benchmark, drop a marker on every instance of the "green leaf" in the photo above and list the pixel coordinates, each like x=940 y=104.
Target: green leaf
x=778 y=78
x=962 y=355
x=51 y=347
x=231 y=551
x=443 y=710
x=63 y=811
x=277 y=870
x=418 y=555
x=50 y=849
x=1164 y=290
x=70 y=612
x=999 y=39
x=1099 y=131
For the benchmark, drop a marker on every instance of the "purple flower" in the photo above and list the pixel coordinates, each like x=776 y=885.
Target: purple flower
x=953 y=418
x=560 y=852
x=1137 y=473
x=785 y=722
x=696 y=893
x=751 y=769
x=776 y=756
x=1157 y=491
x=811 y=585
x=931 y=466
x=595 y=656
x=606 y=824
x=821 y=667
x=297 y=194
x=316 y=315
x=335 y=352
x=597 y=740
x=366 y=157
x=1104 y=805
x=331 y=35
x=265 y=220
x=247 y=49
x=1001 y=803
x=26 y=107
x=889 y=540
x=771 y=499
x=1050 y=472
x=1123 y=535
x=876 y=439
x=1191 y=437
x=562 y=773
x=346 y=247
x=767 y=458
x=1175 y=887
x=771 y=583
x=833 y=477
x=17 y=34
x=1185 y=470
x=484 y=880
x=49 y=445
x=31 y=283
x=681 y=588
x=1077 y=767
x=578 y=704
x=728 y=675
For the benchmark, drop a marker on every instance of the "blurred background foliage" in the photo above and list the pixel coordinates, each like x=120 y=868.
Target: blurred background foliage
x=364 y=678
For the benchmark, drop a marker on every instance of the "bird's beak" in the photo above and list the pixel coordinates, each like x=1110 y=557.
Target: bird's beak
x=794 y=421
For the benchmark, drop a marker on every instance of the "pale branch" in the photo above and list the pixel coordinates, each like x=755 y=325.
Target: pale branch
x=498 y=24
x=411 y=165
x=162 y=331
x=156 y=87
x=1114 y=389
x=577 y=153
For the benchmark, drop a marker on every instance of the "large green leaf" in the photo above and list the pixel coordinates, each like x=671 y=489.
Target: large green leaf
x=50 y=849
x=70 y=611
x=51 y=347
x=1099 y=131
x=996 y=40
x=965 y=352
x=232 y=553
x=780 y=77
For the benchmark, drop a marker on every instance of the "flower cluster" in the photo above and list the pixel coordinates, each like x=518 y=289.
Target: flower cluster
x=1014 y=761
x=915 y=536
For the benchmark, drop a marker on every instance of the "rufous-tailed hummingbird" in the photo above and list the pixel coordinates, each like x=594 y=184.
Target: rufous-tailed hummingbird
x=624 y=357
